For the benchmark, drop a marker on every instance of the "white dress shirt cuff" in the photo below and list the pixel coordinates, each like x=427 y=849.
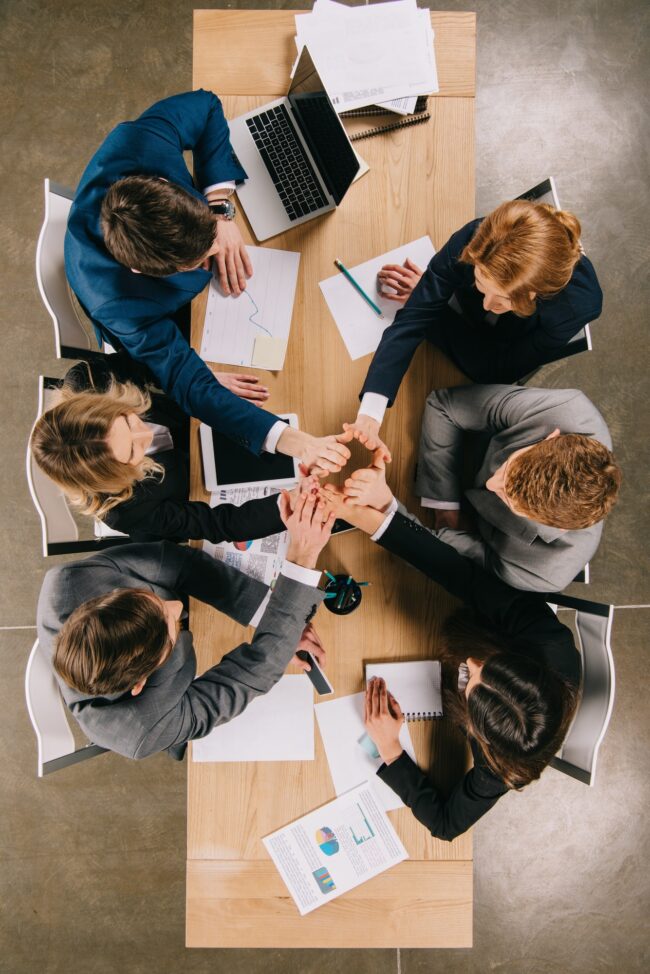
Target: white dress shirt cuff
x=229 y=185
x=440 y=505
x=271 y=441
x=308 y=576
x=385 y=524
x=374 y=405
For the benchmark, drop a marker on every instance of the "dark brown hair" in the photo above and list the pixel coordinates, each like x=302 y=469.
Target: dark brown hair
x=154 y=226
x=526 y=247
x=570 y=481
x=520 y=711
x=111 y=643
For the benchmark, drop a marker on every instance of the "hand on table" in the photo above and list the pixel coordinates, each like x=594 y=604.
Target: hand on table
x=383 y=719
x=309 y=525
x=244 y=386
x=367 y=487
x=403 y=279
x=365 y=429
x=310 y=641
x=232 y=264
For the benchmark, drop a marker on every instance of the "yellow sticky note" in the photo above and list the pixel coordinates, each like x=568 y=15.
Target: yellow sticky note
x=268 y=353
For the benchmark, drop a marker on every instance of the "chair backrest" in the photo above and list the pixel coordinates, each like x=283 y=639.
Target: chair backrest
x=59 y=532
x=47 y=712
x=579 y=752
x=70 y=337
x=546 y=192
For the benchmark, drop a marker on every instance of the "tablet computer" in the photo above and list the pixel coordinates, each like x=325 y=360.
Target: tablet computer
x=227 y=464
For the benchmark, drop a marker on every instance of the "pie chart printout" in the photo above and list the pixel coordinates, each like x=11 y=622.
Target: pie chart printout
x=327 y=841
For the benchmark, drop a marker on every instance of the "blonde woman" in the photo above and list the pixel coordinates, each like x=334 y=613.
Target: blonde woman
x=120 y=453
x=501 y=297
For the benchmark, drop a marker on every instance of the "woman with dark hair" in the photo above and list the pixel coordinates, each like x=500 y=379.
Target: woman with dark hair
x=510 y=676
x=120 y=453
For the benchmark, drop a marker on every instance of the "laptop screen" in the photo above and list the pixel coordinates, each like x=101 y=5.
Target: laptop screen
x=322 y=129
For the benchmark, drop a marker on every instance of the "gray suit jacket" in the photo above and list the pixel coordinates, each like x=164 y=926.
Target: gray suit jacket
x=175 y=707
x=523 y=553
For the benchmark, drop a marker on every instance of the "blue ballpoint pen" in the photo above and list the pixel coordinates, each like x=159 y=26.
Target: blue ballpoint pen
x=358 y=287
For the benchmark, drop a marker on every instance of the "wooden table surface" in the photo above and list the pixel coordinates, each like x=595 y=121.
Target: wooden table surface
x=421 y=181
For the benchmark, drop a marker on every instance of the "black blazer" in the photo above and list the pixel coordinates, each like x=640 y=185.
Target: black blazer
x=522 y=615
x=160 y=509
x=503 y=352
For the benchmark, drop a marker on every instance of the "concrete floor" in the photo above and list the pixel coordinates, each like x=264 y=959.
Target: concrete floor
x=93 y=859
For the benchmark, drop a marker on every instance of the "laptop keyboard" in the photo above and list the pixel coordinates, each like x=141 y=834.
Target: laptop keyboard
x=287 y=164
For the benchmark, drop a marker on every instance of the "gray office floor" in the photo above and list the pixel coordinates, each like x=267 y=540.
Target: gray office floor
x=92 y=875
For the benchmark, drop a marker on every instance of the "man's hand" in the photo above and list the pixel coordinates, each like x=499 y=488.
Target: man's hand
x=365 y=518
x=244 y=386
x=309 y=525
x=310 y=641
x=383 y=719
x=321 y=455
x=367 y=487
x=231 y=261
x=403 y=280
x=365 y=429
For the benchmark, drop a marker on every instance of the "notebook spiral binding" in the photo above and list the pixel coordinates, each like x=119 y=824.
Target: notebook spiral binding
x=420 y=106
x=411 y=120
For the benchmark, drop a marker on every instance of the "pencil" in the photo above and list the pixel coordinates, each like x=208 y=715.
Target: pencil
x=358 y=287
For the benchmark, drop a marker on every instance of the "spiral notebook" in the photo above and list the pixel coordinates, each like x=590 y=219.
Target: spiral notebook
x=415 y=686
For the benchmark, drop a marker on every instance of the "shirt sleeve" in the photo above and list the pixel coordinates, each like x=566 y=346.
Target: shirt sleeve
x=270 y=443
x=374 y=405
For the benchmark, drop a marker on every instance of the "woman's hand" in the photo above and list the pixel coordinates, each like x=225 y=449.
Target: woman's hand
x=402 y=280
x=309 y=525
x=244 y=386
x=383 y=720
x=365 y=518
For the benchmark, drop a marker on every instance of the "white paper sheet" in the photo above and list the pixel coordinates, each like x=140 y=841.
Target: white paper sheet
x=370 y=54
x=415 y=684
x=335 y=848
x=361 y=329
x=340 y=723
x=278 y=726
x=265 y=308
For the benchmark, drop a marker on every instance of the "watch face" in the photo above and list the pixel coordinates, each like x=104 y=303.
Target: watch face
x=224 y=208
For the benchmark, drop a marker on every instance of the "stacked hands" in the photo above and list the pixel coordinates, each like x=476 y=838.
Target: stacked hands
x=309 y=512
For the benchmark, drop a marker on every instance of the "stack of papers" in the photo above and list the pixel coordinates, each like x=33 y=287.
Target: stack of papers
x=371 y=55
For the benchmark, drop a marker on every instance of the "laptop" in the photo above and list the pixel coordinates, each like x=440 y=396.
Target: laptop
x=299 y=159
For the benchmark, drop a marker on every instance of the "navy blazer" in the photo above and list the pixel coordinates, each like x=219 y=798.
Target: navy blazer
x=134 y=310
x=500 y=352
x=528 y=624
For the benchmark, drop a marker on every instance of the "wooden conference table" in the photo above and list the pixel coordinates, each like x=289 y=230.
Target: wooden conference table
x=421 y=181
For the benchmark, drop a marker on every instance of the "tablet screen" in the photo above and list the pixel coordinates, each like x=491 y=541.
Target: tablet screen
x=236 y=465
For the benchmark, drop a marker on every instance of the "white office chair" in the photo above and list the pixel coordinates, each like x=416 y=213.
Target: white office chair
x=579 y=752
x=546 y=192
x=72 y=334
x=59 y=531
x=47 y=712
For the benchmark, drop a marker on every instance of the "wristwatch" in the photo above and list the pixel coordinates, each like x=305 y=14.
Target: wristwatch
x=225 y=209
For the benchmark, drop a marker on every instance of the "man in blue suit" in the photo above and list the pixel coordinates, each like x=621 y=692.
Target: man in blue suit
x=140 y=242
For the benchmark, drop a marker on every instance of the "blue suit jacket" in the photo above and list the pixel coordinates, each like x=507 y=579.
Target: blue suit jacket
x=503 y=352
x=136 y=309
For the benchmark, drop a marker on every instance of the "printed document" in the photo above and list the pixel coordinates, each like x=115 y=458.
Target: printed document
x=361 y=329
x=261 y=558
x=335 y=848
x=264 y=309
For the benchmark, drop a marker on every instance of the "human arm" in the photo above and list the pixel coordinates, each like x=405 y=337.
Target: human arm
x=400 y=340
